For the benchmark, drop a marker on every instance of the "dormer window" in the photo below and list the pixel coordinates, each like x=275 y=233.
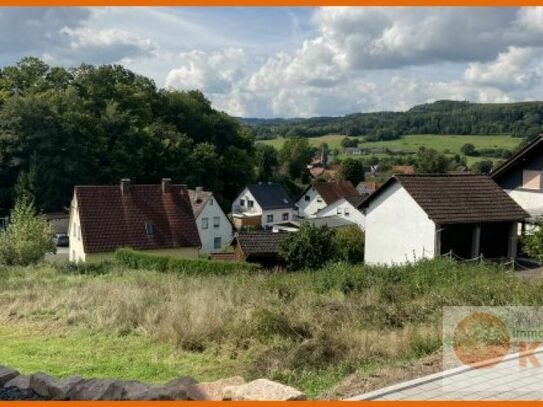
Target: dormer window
x=149 y=229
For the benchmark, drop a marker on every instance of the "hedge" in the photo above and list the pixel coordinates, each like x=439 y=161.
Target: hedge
x=140 y=260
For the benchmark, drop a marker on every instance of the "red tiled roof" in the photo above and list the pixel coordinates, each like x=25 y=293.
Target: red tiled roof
x=198 y=199
x=110 y=220
x=449 y=199
x=260 y=241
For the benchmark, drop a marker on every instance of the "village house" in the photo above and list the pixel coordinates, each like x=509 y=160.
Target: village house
x=155 y=218
x=321 y=194
x=366 y=187
x=412 y=217
x=521 y=177
x=262 y=205
x=347 y=209
x=260 y=246
x=214 y=227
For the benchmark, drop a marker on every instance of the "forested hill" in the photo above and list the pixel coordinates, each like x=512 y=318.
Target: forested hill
x=97 y=124
x=523 y=119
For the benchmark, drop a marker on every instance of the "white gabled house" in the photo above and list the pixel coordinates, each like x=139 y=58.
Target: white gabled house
x=262 y=205
x=521 y=176
x=424 y=216
x=214 y=227
x=321 y=194
x=345 y=208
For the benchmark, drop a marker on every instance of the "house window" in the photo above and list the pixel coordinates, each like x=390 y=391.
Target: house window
x=285 y=216
x=347 y=212
x=75 y=229
x=319 y=200
x=531 y=179
x=216 y=221
x=338 y=211
x=250 y=203
x=211 y=202
x=242 y=202
x=205 y=223
x=149 y=229
x=269 y=218
x=78 y=232
x=307 y=198
x=217 y=243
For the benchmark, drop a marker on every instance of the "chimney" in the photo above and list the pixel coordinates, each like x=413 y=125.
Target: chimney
x=125 y=186
x=166 y=182
x=199 y=189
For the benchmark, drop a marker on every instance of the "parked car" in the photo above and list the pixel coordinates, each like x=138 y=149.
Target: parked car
x=61 y=240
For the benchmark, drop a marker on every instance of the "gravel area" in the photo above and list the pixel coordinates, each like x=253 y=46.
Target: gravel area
x=13 y=393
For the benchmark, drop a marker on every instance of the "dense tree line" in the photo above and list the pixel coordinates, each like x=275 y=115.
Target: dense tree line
x=94 y=125
x=523 y=119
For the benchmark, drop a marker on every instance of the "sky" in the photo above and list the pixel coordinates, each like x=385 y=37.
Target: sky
x=298 y=62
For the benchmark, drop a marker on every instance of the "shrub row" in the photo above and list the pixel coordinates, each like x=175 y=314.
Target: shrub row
x=139 y=260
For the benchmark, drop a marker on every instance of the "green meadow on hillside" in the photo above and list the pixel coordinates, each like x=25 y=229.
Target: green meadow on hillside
x=450 y=143
x=309 y=329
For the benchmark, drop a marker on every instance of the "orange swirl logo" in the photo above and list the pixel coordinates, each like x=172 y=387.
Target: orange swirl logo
x=481 y=337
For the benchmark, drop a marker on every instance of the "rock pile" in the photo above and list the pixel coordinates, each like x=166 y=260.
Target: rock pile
x=39 y=386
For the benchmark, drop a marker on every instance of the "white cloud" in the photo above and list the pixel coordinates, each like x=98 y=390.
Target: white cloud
x=214 y=72
x=512 y=70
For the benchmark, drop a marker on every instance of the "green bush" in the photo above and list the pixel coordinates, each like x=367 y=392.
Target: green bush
x=349 y=245
x=532 y=241
x=139 y=260
x=310 y=248
x=27 y=238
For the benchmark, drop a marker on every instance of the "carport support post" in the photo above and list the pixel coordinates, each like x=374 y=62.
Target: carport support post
x=476 y=241
x=512 y=243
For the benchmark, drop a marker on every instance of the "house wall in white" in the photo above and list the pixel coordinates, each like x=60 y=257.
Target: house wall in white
x=76 y=250
x=277 y=216
x=213 y=225
x=397 y=230
x=310 y=203
x=242 y=204
x=344 y=209
x=530 y=201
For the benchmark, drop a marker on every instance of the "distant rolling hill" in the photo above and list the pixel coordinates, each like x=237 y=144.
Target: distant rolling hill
x=522 y=119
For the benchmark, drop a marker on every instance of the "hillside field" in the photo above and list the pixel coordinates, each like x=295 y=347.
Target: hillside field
x=310 y=329
x=452 y=143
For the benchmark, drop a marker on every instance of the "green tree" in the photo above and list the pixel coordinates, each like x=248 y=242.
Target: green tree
x=349 y=245
x=309 y=248
x=352 y=170
x=27 y=238
x=532 y=241
x=430 y=161
x=266 y=161
x=482 y=167
x=294 y=156
x=468 y=149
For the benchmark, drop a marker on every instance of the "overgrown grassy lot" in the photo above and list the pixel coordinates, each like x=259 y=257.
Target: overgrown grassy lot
x=452 y=143
x=308 y=329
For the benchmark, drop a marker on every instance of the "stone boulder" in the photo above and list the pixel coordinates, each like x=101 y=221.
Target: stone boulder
x=47 y=386
x=95 y=389
x=22 y=382
x=213 y=390
x=178 y=388
x=6 y=374
x=139 y=391
x=262 y=390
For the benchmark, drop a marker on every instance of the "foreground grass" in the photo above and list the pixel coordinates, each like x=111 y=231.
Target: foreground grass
x=450 y=143
x=308 y=329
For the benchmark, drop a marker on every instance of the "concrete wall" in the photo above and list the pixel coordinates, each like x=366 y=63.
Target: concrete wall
x=307 y=209
x=353 y=214
x=398 y=231
x=207 y=236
